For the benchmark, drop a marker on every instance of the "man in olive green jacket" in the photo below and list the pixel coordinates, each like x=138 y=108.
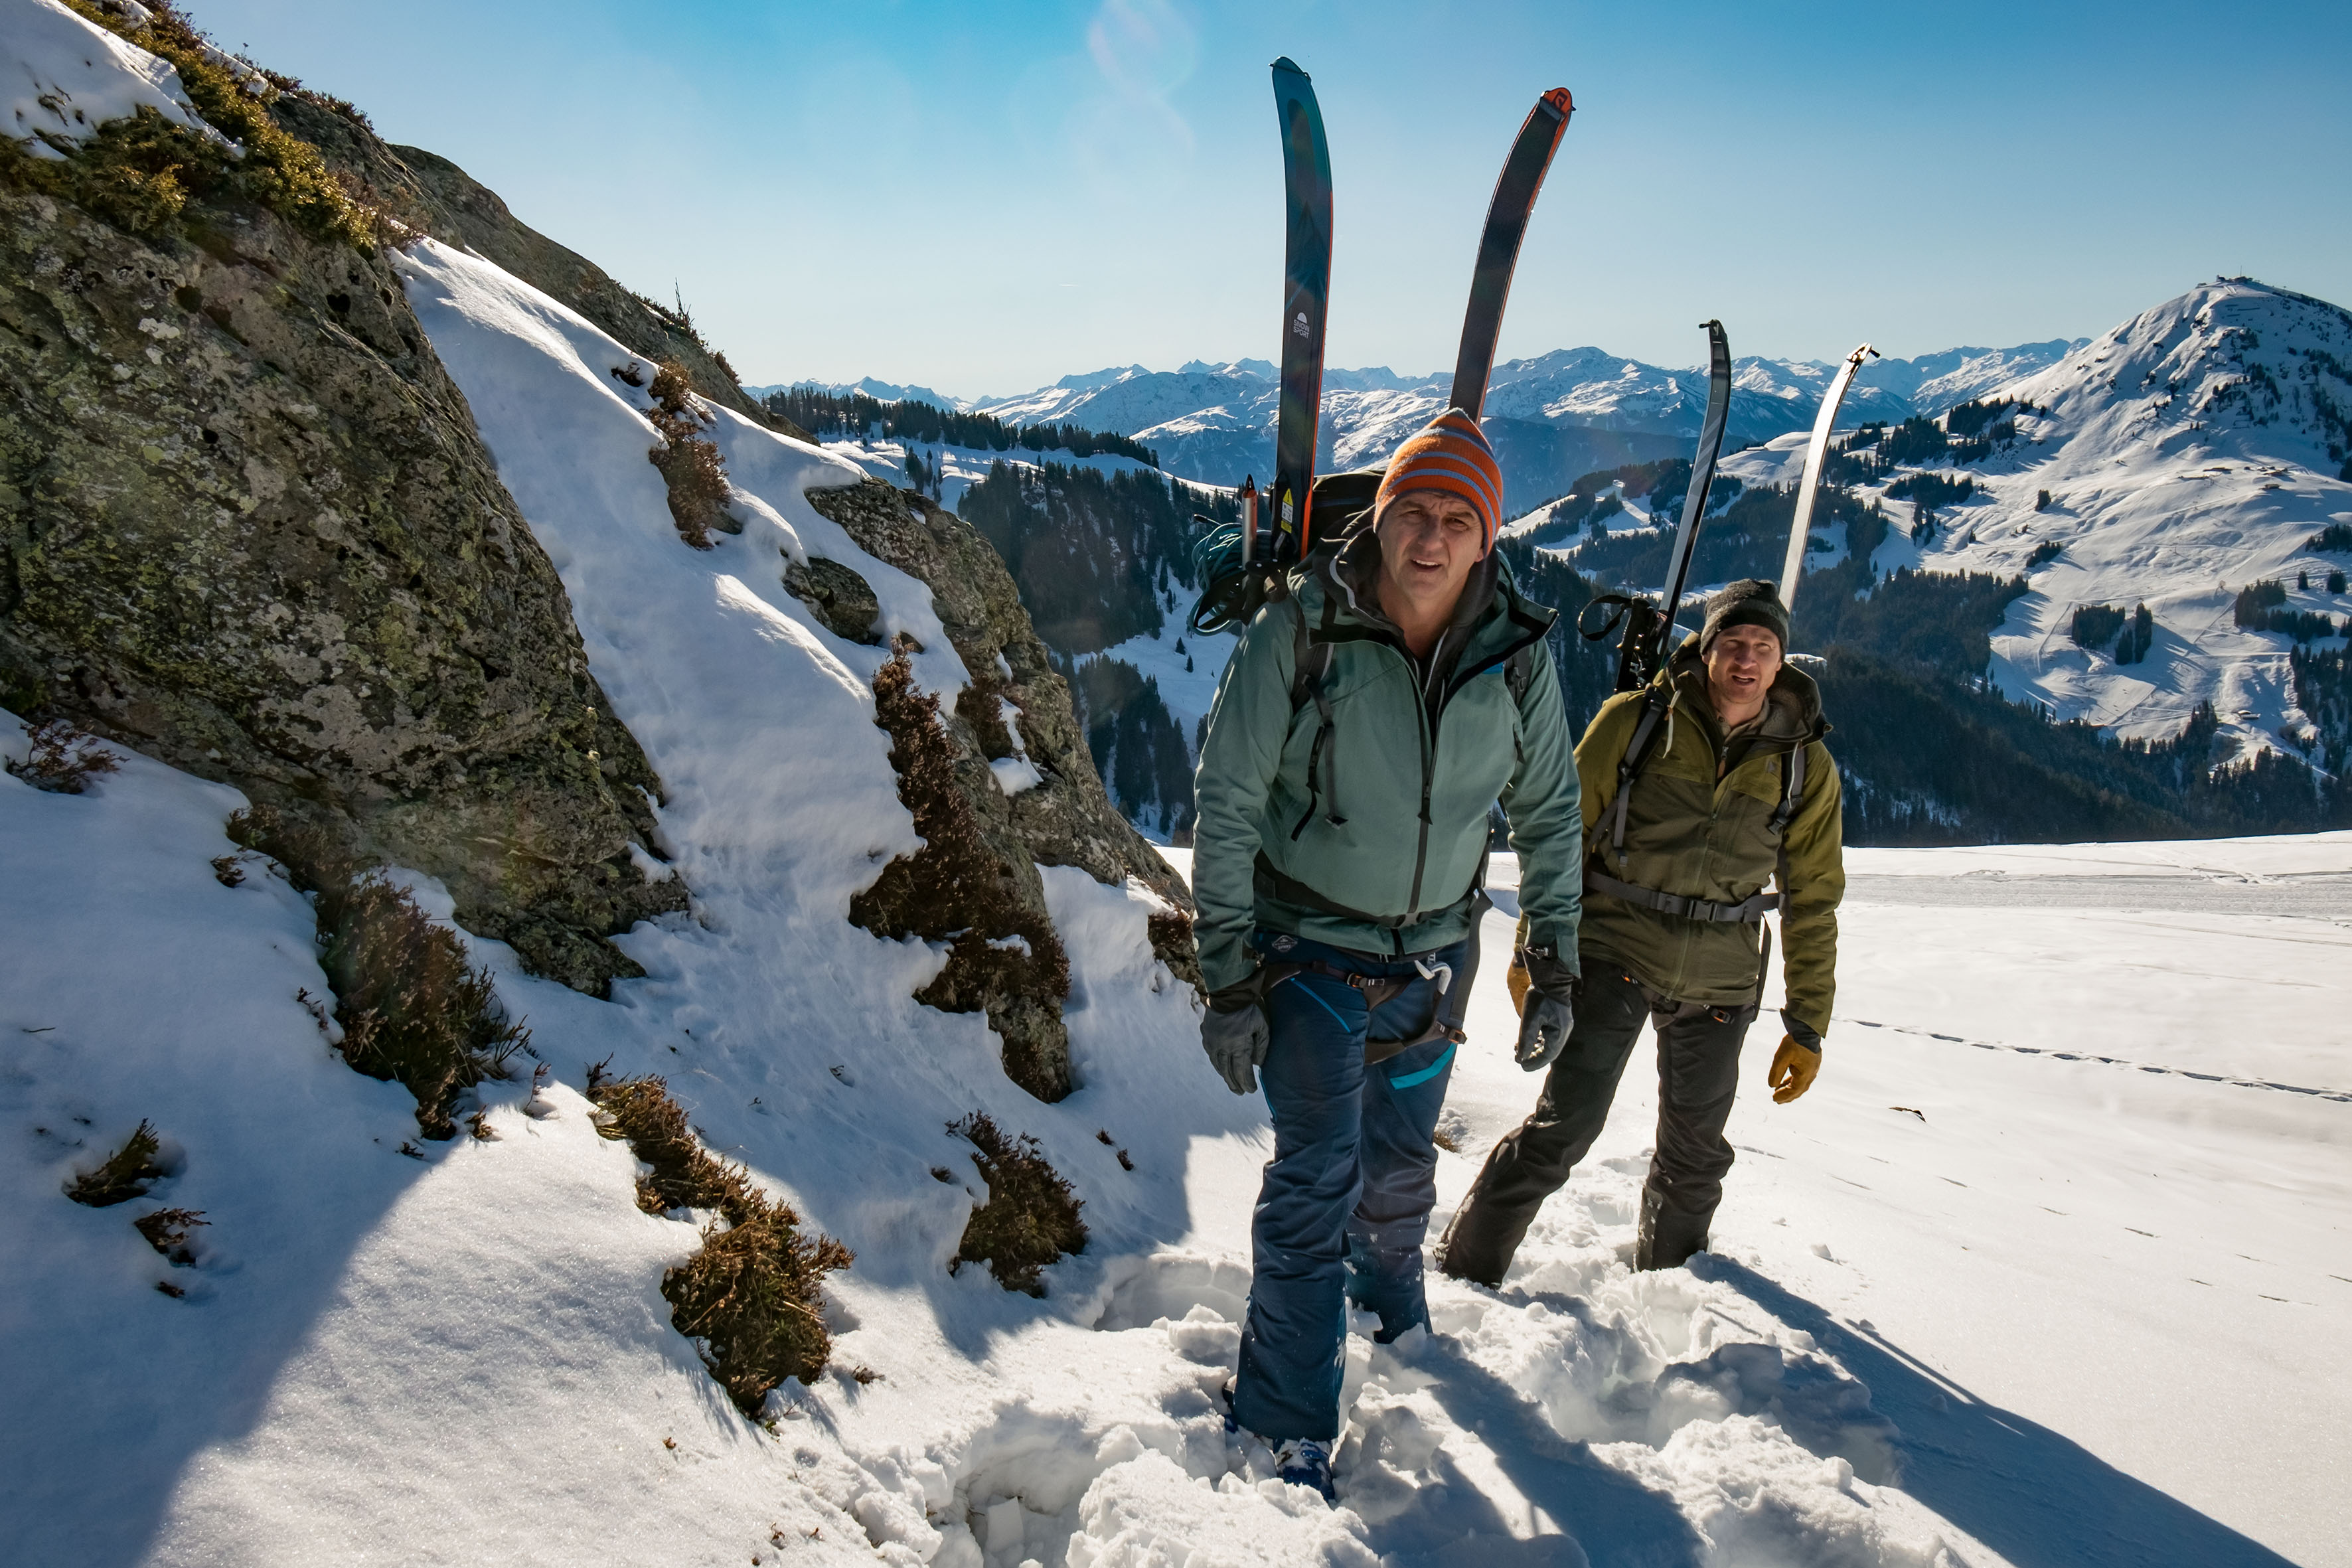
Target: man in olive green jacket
x=1729 y=789
x=1363 y=729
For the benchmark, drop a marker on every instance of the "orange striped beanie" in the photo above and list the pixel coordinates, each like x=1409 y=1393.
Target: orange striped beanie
x=1449 y=454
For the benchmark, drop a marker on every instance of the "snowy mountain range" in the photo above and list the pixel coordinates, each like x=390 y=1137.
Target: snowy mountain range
x=2187 y=452
x=2173 y=461
x=1552 y=417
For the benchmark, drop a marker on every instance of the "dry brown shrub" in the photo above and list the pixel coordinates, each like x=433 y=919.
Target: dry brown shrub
x=981 y=706
x=1001 y=956
x=683 y=1175
x=125 y=1175
x=413 y=1010
x=63 y=759
x=751 y=1292
x=1031 y=1216
x=690 y=464
x=172 y=1231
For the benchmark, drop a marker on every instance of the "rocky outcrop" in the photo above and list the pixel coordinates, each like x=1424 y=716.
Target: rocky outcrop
x=247 y=526
x=1066 y=819
x=427 y=191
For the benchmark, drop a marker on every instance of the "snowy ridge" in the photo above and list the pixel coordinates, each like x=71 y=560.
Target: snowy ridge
x=1210 y=422
x=2187 y=452
x=64 y=76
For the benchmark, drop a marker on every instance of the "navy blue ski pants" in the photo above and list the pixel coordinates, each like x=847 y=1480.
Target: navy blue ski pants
x=1345 y=1204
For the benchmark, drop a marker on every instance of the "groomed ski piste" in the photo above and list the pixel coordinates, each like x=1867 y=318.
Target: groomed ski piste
x=2051 y=1267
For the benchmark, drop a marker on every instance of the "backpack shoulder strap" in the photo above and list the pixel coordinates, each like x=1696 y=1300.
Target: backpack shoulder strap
x=1792 y=787
x=1311 y=664
x=1629 y=766
x=1520 y=672
x=1310 y=660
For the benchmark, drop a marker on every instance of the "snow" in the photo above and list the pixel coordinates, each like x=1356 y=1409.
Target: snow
x=960 y=467
x=2169 y=488
x=2049 y=1267
x=65 y=76
x=1205 y=419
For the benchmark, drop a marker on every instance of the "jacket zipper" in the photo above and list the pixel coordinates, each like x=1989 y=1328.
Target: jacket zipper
x=1430 y=720
x=1428 y=772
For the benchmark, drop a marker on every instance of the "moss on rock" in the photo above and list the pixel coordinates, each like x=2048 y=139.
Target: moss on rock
x=247 y=526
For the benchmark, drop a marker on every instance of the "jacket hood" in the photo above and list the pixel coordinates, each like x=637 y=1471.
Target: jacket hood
x=1793 y=709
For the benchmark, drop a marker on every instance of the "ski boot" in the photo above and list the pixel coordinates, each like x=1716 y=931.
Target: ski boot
x=1306 y=1462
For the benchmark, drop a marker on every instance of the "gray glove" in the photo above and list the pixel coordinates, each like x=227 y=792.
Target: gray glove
x=1233 y=1032
x=1550 y=1013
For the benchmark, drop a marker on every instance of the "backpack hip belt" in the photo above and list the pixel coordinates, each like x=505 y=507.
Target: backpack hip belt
x=1747 y=910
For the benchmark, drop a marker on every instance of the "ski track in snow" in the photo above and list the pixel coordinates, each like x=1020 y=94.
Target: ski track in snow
x=1961 y=1302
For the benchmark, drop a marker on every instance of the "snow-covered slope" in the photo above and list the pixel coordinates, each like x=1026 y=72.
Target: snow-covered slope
x=2186 y=453
x=2043 y=1271
x=61 y=77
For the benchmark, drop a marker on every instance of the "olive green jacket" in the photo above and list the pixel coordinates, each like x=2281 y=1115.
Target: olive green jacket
x=1697 y=828
x=1393 y=822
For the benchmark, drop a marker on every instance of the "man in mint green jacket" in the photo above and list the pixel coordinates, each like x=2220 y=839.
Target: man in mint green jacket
x=1362 y=731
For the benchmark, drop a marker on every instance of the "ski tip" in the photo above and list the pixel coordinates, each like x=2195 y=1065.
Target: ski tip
x=1284 y=63
x=1560 y=99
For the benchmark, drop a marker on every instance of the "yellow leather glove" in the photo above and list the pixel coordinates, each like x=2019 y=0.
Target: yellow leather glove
x=1794 y=1067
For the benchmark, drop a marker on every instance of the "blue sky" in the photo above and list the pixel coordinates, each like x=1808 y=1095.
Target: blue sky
x=981 y=198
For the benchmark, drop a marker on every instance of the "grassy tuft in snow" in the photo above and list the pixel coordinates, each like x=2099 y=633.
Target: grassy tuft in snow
x=172 y=1231
x=680 y=1174
x=751 y=1293
x=1031 y=1218
x=125 y=1175
x=410 y=1006
x=689 y=462
x=412 y=1009
x=1001 y=957
x=63 y=759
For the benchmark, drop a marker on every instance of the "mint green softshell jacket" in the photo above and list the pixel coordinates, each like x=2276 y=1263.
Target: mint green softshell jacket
x=1397 y=822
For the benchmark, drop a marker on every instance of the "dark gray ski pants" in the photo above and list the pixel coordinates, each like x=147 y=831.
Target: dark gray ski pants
x=1698 y=1072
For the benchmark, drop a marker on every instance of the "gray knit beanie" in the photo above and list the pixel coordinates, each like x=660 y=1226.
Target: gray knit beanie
x=1750 y=602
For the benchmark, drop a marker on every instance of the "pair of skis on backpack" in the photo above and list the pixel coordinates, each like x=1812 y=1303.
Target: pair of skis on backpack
x=1238 y=574
x=1241 y=566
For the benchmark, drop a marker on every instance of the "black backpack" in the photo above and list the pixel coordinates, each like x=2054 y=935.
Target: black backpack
x=1232 y=591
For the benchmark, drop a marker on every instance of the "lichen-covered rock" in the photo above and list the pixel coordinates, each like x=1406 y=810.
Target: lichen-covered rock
x=1066 y=819
x=247 y=526
x=839 y=597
